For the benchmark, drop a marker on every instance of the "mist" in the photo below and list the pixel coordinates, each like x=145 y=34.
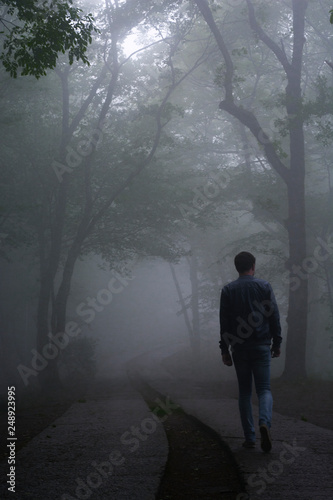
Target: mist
x=197 y=130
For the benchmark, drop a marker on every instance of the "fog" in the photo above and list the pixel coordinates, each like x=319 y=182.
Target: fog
x=141 y=318
x=143 y=145
x=128 y=186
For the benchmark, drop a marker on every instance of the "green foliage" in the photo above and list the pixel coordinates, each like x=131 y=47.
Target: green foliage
x=220 y=75
x=322 y=105
x=314 y=111
x=239 y=52
x=35 y=33
x=325 y=133
x=319 y=111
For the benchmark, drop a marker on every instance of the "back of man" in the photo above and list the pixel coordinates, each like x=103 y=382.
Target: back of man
x=249 y=314
x=249 y=320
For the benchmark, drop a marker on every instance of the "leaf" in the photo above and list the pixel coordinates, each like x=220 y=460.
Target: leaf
x=33 y=46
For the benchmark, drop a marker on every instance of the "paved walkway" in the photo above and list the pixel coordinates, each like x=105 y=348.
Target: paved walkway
x=300 y=464
x=107 y=449
x=113 y=448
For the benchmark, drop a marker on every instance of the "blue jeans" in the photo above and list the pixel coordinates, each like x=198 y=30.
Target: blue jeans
x=255 y=361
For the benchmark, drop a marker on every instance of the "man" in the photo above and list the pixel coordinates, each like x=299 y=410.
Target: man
x=249 y=319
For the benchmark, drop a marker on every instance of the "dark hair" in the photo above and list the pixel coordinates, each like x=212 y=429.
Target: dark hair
x=244 y=261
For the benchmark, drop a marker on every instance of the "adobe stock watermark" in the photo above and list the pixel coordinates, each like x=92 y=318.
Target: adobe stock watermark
x=129 y=442
x=84 y=148
x=87 y=311
x=309 y=265
x=267 y=475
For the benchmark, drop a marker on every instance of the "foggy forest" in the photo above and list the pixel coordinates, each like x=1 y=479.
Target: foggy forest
x=140 y=151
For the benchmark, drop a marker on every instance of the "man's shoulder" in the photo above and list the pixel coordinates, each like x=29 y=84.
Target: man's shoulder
x=247 y=281
x=230 y=284
x=261 y=281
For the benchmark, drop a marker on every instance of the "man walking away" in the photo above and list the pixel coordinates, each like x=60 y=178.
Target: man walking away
x=250 y=323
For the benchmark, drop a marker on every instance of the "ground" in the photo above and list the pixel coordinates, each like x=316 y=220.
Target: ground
x=195 y=451
x=34 y=413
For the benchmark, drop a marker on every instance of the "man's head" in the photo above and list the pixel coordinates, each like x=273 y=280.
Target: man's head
x=245 y=263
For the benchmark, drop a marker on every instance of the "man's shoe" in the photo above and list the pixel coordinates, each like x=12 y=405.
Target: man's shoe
x=266 y=442
x=249 y=444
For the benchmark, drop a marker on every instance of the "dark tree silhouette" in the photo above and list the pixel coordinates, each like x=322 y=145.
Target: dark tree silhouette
x=293 y=175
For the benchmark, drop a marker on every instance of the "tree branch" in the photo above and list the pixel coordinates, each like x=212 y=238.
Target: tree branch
x=280 y=53
x=246 y=117
x=250 y=121
x=208 y=16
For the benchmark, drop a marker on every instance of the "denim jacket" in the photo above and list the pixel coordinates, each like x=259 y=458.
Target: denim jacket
x=249 y=315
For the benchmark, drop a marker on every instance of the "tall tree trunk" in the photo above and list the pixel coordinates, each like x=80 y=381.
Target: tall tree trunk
x=195 y=305
x=49 y=257
x=293 y=176
x=183 y=307
x=295 y=365
x=50 y=252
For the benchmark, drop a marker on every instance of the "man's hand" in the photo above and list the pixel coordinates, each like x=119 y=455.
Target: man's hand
x=227 y=360
x=275 y=352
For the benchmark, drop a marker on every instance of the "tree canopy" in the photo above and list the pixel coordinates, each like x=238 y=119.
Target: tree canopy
x=35 y=33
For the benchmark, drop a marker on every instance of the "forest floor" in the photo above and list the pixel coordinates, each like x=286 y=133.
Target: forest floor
x=310 y=401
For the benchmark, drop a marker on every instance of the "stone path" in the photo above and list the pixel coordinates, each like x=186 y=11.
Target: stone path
x=300 y=464
x=99 y=449
x=114 y=448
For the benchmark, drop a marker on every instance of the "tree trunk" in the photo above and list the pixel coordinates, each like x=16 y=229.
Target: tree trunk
x=183 y=307
x=295 y=366
x=293 y=176
x=49 y=261
x=50 y=253
x=195 y=307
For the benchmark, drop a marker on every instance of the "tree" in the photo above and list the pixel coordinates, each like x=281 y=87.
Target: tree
x=294 y=174
x=35 y=33
x=110 y=125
